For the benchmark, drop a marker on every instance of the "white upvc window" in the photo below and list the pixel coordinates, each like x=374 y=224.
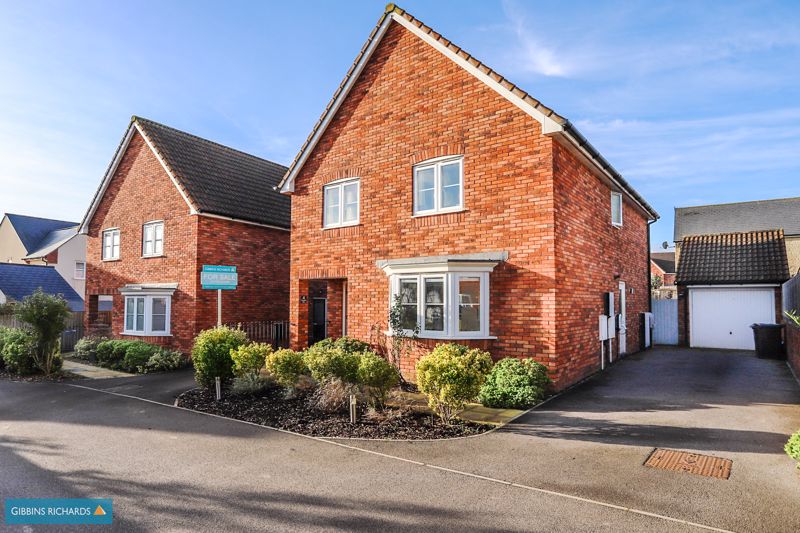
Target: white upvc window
x=616 y=209
x=153 y=239
x=80 y=270
x=147 y=314
x=341 y=203
x=444 y=305
x=110 y=244
x=439 y=186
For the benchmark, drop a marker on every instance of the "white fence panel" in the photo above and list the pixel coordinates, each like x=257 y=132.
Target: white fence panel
x=665 y=316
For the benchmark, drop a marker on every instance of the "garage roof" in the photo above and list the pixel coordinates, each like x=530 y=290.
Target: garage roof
x=733 y=258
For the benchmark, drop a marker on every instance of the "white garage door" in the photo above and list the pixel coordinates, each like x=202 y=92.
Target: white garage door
x=721 y=318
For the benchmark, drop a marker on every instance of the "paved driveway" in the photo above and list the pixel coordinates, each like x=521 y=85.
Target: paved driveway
x=574 y=465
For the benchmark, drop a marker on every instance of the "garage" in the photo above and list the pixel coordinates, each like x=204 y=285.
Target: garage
x=721 y=316
x=726 y=282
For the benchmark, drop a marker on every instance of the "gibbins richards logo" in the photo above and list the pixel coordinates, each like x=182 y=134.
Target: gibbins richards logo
x=99 y=511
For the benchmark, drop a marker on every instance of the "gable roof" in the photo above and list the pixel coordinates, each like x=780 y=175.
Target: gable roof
x=552 y=123
x=213 y=179
x=733 y=258
x=664 y=260
x=52 y=242
x=738 y=217
x=19 y=281
x=33 y=231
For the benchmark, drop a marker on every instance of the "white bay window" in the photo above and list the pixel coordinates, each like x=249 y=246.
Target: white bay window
x=147 y=312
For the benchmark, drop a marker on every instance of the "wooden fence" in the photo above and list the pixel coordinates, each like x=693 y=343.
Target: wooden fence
x=275 y=332
x=71 y=335
x=791 y=294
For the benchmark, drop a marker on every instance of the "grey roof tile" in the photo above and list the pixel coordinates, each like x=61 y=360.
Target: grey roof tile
x=783 y=213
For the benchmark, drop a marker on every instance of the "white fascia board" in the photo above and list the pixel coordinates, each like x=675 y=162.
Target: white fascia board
x=436 y=268
x=123 y=147
x=740 y=286
x=288 y=185
x=192 y=209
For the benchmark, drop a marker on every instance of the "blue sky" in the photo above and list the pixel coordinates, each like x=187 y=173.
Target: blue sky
x=693 y=102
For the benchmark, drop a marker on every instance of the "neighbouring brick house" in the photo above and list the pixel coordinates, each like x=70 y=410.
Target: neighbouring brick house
x=662 y=264
x=431 y=177
x=171 y=202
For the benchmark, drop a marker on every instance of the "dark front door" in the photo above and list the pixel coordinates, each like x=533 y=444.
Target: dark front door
x=319 y=315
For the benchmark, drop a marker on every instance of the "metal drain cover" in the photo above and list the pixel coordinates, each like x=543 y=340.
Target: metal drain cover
x=694 y=463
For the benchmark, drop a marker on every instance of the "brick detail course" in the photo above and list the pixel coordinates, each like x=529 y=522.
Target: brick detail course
x=141 y=191
x=410 y=104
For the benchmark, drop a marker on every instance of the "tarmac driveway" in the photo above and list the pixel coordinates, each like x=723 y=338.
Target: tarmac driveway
x=592 y=441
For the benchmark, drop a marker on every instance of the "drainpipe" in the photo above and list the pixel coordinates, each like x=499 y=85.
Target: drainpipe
x=649 y=270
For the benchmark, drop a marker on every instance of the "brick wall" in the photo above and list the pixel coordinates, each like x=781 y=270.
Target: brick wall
x=592 y=258
x=411 y=104
x=141 y=191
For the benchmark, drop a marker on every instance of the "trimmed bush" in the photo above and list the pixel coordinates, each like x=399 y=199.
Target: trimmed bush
x=346 y=344
x=137 y=353
x=329 y=363
x=105 y=353
x=377 y=377
x=19 y=346
x=249 y=359
x=3 y=332
x=86 y=347
x=47 y=316
x=286 y=366
x=450 y=376
x=211 y=354
x=792 y=447
x=163 y=360
x=515 y=384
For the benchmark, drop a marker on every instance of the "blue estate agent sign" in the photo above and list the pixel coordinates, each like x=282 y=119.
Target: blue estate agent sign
x=58 y=511
x=219 y=277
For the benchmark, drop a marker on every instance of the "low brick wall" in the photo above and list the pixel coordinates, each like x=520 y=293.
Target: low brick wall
x=793 y=347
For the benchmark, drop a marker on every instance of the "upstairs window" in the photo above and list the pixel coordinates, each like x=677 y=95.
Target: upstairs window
x=110 y=244
x=153 y=239
x=616 y=209
x=439 y=186
x=341 y=201
x=80 y=270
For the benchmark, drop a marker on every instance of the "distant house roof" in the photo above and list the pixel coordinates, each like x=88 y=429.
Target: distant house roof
x=52 y=242
x=664 y=260
x=551 y=122
x=33 y=231
x=733 y=258
x=18 y=281
x=761 y=215
x=213 y=179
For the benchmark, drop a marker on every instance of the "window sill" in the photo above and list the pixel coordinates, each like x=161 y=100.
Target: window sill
x=327 y=228
x=111 y=260
x=142 y=334
x=618 y=226
x=447 y=337
x=435 y=213
x=153 y=256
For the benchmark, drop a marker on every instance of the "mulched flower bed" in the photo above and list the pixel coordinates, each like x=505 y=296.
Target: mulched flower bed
x=38 y=378
x=270 y=408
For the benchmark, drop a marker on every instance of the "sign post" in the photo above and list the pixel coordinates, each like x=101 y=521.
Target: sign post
x=221 y=278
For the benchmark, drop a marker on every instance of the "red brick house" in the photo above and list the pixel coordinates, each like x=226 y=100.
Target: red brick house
x=662 y=264
x=431 y=177
x=169 y=203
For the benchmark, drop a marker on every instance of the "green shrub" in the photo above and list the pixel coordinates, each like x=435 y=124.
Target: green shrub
x=515 y=384
x=211 y=354
x=163 y=360
x=3 y=332
x=47 y=317
x=328 y=363
x=286 y=366
x=137 y=353
x=792 y=447
x=19 y=346
x=249 y=359
x=450 y=376
x=377 y=377
x=105 y=353
x=86 y=347
x=346 y=344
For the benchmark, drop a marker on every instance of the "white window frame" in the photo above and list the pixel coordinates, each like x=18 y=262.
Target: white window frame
x=616 y=197
x=112 y=256
x=79 y=274
x=340 y=185
x=152 y=224
x=437 y=164
x=147 y=329
x=451 y=279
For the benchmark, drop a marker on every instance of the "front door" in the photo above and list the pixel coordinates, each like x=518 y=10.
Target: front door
x=319 y=320
x=623 y=327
